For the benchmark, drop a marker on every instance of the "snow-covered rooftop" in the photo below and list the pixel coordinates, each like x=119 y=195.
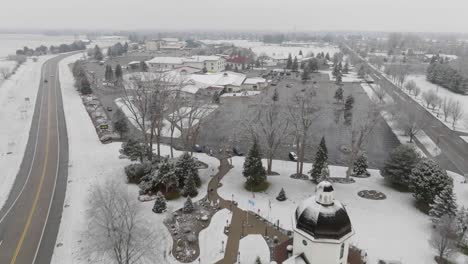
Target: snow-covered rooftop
x=254 y=80
x=167 y=60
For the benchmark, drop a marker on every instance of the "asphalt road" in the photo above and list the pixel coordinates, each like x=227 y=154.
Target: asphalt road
x=30 y=219
x=454 y=154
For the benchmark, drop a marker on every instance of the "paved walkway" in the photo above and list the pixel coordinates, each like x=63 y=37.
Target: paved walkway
x=239 y=227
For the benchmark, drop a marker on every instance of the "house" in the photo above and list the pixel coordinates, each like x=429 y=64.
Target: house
x=164 y=63
x=254 y=84
x=322 y=229
x=237 y=62
x=165 y=44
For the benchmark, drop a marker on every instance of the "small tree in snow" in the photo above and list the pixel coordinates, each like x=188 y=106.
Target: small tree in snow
x=461 y=221
x=159 y=203
x=399 y=164
x=339 y=95
x=281 y=196
x=443 y=238
x=360 y=166
x=188 y=206
x=120 y=123
x=325 y=173
x=133 y=149
x=258 y=261
x=186 y=166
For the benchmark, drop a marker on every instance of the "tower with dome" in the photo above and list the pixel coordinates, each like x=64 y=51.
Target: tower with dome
x=322 y=229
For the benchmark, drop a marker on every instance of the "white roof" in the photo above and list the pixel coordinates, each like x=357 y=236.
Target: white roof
x=254 y=80
x=219 y=79
x=193 y=89
x=202 y=58
x=167 y=60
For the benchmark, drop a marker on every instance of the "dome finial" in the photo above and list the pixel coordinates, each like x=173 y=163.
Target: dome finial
x=325 y=194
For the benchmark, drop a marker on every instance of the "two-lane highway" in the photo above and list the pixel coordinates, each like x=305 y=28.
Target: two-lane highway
x=30 y=219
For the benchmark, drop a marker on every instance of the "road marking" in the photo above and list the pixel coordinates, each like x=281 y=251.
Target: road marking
x=34 y=153
x=57 y=81
x=39 y=189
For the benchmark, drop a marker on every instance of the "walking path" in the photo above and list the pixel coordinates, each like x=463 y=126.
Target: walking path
x=239 y=227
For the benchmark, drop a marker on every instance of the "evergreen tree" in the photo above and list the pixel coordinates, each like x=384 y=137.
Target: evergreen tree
x=399 y=164
x=190 y=189
x=339 y=79
x=321 y=157
x=281 y=196
x=143 y=66
x=346 y=68
x=313 y=65
x=360 y=166
x=325 y=173
x=348 y=110
x=166 y=176
x=305 y=74
x=461 y=221
x=289 y=62
x=97 y=53
x=125 y=47
x=188 y=206
x=253 y=168
x=118 y=72
x=295 y=65
x=361 y=72
x=339 y=95
x=444 y=204
x=427 y=180
x=186 y=166
x=120 y=122
x=133 y=149
x=85 y=86
x=159 y=203
x=327 y=56
x=275 y=96
x=300 y=52
x=258 y=261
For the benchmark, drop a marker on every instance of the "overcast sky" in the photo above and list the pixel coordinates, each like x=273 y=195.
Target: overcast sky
x=281 y=15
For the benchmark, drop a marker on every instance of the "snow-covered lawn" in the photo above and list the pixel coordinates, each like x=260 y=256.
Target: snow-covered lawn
x=349 y=77
x=253 y=246
x=277 y=51
x=213 y=238
x=92 y=163
x=442 y=92
x=388 y=229
x=17 y=99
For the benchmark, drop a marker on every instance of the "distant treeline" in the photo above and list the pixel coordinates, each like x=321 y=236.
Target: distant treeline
x=42 y=50
x=274 y=38
x=441 y=73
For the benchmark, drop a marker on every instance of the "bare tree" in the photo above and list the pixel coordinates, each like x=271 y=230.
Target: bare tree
x=456 y=112
x=117 y=229
x=412 y=123
x=4 y=73
x=379 y=94
x=430 y=98
x=302 y=113
x=410 y=86
x=446 y=107
x=191 y=115
x=361 y=128
x=271 y=128
x=443 y=238
x=416 y=91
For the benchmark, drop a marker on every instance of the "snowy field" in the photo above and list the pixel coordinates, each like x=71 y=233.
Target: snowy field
x=12 y=42
x=425 y=86
x=253 y=246
x=86 y=171
x=277 y=51
x=379 y=225
x=16 y=116
x=214 y=235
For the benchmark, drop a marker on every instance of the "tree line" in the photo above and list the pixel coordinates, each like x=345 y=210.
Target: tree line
x=441 y=73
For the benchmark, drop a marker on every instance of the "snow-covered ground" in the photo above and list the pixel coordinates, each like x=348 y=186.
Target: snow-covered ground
x=17 y=98
x=86 y=171
x=388 y=229
x=277 y=51
x=442 y=92
x=349 y=77
x=253 y=246
x=212 y=239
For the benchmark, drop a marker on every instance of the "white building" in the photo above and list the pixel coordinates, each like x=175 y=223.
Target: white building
x=165 y=44
x=322 y=229
x=212 y=64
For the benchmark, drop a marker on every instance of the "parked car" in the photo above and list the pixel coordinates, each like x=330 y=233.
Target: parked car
x=288 y=85
x=237 y=152
x=292 y=156
x=197 y=148
x=109 y=108
x=46 y=81
x=273 y=84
